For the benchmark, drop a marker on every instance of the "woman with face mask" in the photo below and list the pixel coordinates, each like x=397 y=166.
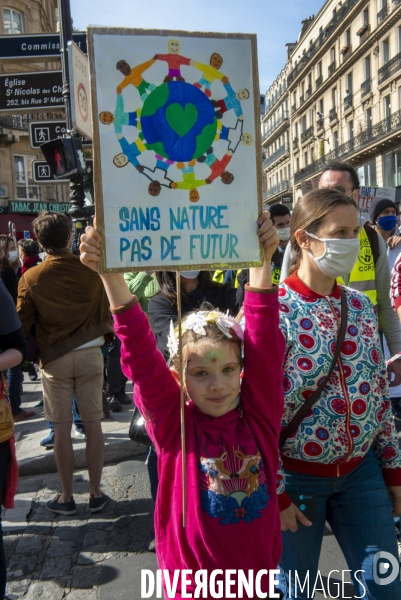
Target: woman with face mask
x=344 y=448
x=9 y=259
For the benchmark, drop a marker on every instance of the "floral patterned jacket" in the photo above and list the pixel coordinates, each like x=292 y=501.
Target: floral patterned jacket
x=353 y=412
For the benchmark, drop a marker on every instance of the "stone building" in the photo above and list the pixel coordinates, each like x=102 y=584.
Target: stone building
x=344 y=93
x=20 y=197
x=276 y=141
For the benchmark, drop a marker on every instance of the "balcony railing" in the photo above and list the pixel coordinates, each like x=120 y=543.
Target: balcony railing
x=275 y=97
x=320 y=124
x=280 y=187
x=319 y=81
x=295 y=142
x=332 y=68
x=308 y=92
x=307 y=134
x=301 y=99
x=348 y=102
x=276 y=155
x=333 y=114
x=396 y=2
x=383 y=14
x=390 y=68
x=371 y=135
x=20 y=123
x=366 y=87
x=294 y=107
x=337 y=19
x=283 y=117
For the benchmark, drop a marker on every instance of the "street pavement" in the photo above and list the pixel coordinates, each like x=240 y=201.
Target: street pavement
x=91 y=557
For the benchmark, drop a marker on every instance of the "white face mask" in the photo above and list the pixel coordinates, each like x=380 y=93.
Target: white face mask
x=190 y=274
x=284 y=234
x=12 y=256
x=339 y=255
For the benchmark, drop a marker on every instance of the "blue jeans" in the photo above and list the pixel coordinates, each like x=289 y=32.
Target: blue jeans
x=76 y=417
x=359 y=512
x=14 y=387
x=4 y=458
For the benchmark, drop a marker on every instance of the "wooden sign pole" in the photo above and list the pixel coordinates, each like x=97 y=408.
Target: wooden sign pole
x=182 y=403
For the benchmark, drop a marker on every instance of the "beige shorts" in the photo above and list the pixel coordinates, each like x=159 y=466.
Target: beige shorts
x=81 y=373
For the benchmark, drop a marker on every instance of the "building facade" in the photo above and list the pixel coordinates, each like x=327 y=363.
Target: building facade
x=276 y=142
x=20 y=197
x=344 y=94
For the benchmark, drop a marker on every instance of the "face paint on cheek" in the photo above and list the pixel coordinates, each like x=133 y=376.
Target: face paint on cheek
x=213 y=356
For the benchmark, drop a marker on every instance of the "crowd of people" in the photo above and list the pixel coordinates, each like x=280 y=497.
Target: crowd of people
x=287 y=391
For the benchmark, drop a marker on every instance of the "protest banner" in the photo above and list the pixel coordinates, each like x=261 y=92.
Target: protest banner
x=176 y=137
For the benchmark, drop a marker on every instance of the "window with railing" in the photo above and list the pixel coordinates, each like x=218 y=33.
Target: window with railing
x=324 y=34
x=308 y=92
x=333 y=114
x=348 y=102
x=26 y=188
x=370 y=135
x=332 y=68
x=391 y=67
x=307 y=134
x=383 y=13
x=366 y=87
x=319 y=81
x=301 y=99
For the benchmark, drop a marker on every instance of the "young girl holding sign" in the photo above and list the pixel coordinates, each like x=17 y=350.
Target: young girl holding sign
x=233 y=521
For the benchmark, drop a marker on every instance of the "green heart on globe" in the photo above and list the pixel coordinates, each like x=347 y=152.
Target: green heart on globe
x=181 y=120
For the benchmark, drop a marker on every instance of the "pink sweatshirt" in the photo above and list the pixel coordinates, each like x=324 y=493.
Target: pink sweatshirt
x=233 y=517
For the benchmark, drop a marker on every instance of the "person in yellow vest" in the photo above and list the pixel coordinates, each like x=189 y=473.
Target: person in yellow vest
x=371 y=273
x=229 y=276
x=281 y=217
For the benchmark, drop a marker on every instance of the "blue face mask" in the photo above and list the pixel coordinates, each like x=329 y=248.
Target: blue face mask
x=387 y=223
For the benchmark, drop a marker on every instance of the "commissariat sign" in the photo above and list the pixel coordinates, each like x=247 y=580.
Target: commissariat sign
x=176 y=134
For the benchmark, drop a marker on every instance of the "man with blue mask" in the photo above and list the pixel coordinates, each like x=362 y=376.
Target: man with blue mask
x=383 y=213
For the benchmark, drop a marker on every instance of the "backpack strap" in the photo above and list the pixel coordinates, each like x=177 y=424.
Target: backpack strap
x=373 y=238
x=305 y=408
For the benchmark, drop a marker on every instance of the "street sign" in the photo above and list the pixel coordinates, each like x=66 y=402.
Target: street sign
x=78 y=66
x=25 y=92
x=36 y=47
x=42 y=172
x=27 y=235
x=44 y=131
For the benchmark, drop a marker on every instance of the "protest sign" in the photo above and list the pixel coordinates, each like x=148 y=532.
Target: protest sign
x=176 y=137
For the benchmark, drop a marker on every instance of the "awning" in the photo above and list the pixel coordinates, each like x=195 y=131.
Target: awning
x=22 y=223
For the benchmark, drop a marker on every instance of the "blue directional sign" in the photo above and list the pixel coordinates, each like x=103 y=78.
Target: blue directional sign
x=36 y=46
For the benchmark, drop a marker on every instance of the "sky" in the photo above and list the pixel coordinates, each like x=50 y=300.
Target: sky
x=276 y=22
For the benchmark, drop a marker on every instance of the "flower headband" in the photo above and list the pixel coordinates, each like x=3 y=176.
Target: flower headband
x=197 y=323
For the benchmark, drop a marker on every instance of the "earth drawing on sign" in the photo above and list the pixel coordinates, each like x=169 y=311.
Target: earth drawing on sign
x=185 y=126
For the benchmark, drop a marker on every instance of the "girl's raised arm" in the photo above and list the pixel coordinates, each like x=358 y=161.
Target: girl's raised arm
x=262 y=277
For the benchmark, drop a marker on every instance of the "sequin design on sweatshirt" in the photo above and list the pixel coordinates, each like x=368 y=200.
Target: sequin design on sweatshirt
x=233 y=487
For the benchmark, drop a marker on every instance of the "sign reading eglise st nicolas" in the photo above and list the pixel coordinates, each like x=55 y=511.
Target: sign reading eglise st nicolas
x=21 y=92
